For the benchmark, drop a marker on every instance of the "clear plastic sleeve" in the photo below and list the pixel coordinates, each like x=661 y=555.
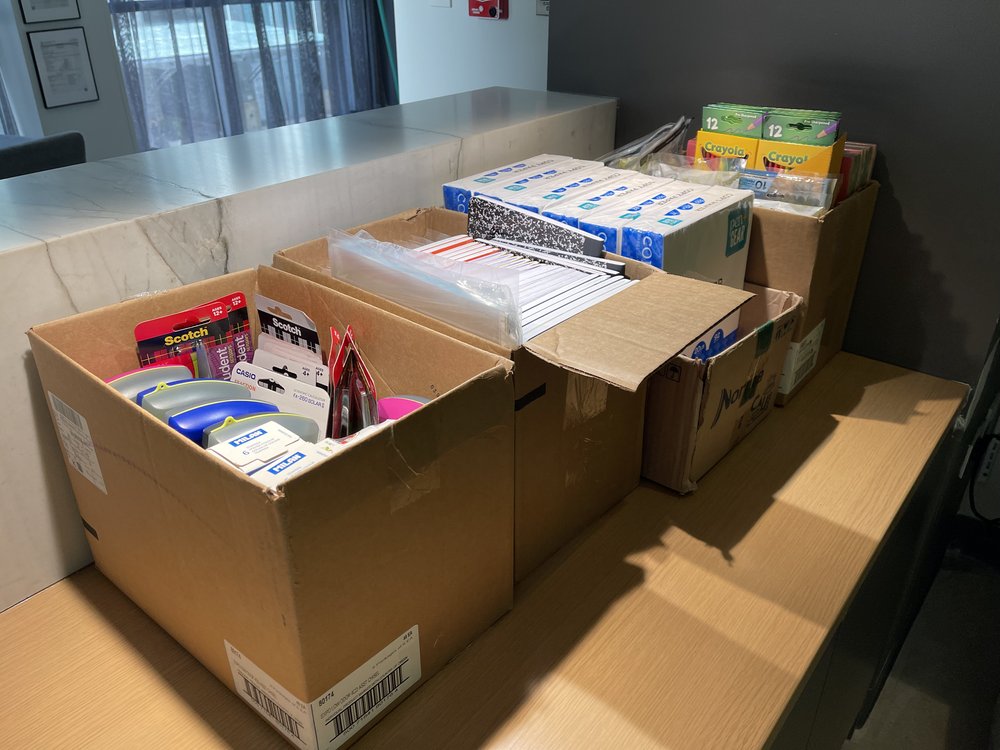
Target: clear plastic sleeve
x=806 y=194
x=482 y=301
x=669 y=138
x=721 y=172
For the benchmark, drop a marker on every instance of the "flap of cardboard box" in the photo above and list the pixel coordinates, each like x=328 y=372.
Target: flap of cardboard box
x=419 y=223
x=625 y=338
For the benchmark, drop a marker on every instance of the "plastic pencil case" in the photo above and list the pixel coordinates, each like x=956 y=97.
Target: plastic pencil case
x=167 y=400
x=231 y=428
x=192 y=423
x=130 y=383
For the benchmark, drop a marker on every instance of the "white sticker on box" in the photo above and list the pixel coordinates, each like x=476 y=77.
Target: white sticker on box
x=76 y=441
x=340 y=713
x=801 y=359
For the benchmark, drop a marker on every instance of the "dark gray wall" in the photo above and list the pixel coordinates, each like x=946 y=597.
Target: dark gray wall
x=921 y=79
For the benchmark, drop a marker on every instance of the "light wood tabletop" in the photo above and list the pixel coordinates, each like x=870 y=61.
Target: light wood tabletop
x=671 y=623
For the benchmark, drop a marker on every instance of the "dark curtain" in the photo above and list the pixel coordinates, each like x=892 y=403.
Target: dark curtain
x=200 y=69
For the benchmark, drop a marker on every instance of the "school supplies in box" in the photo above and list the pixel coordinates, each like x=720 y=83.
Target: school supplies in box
x=175 y=339
x=665 y=139
x=291 y=361
x=811 y=127
x=710 y=146
x=355 y=399
x=551 y=287
x=458 y=193
x=192 y=423
x=551 y=176
x=735 y=119
x=133 y=382
x=206 y=339
x=287 y=393
x=252 y=447
x=490 y=219
x=777 y=156
x=397 y=407
x=166 y=400
x=230 y=429
x=631 y=184
x=288 y=324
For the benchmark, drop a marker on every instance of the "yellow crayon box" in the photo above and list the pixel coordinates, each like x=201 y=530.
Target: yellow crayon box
x=712 y=145
x=780 y=156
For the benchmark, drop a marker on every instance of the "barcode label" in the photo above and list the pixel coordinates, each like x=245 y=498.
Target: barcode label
x=77 y=444
x=382 y=690
x=272 y=709
x=340 y=713
x=801 y=359
x=804 y=368
x=60 y=406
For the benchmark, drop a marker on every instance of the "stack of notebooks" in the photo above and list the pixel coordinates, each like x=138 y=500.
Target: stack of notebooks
x=552 y=285
x=515 y=275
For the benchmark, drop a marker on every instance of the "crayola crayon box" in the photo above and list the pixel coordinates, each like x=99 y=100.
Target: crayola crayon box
x=778 y=156
x=710 y=146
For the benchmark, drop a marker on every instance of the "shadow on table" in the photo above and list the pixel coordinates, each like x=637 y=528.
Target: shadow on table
x=629 y=562
x=632 y=561
x=230 y=719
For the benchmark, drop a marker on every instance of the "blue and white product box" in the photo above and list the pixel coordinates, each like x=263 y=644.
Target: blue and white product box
x=704 y=237
x=541 y=197
x=570 y=212
x=257 y=447
x=458 y=193
x=300 y=457
x=609 y=222
x=552 y=175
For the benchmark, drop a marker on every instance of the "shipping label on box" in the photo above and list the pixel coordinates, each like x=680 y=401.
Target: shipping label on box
x=341 y=712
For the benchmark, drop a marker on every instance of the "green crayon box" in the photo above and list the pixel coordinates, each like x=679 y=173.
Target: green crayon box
x=808 y=127
x=733 y=119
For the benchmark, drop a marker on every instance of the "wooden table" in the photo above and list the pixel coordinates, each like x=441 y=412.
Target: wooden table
x=673 y=622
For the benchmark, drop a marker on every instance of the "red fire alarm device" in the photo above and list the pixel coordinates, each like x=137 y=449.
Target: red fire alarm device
x=496 y=9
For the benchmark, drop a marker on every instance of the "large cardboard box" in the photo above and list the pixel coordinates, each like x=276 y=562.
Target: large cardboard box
x=323 y=601
x=579 y=389
x=818 y=259
x=697 y=411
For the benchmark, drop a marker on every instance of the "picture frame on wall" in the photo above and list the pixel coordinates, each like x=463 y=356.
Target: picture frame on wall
x=39 y=11
x=62 y=66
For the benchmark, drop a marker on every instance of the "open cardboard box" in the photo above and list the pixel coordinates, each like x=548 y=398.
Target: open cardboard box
x=697 y=411
x=359 y=577
x=579 y=388
x=818 y=259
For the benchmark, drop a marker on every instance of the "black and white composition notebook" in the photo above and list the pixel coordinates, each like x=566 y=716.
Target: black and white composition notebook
x=490 y=219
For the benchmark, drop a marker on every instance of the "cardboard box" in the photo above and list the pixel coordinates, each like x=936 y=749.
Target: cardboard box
x=579 y=389
x=697 y=411
x=365 y=573
x=818 y=259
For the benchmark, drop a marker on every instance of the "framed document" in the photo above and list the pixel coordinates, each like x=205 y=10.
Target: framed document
x=62 y=64
x=37 y=11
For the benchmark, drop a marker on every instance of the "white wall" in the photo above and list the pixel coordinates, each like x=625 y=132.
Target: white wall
x=105 y=124
x=444 y=50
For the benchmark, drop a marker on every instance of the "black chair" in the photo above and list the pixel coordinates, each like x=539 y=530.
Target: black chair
x=20 y=156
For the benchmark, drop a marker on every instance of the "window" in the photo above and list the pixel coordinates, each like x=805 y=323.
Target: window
x=8 y=125
x=200 y=69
